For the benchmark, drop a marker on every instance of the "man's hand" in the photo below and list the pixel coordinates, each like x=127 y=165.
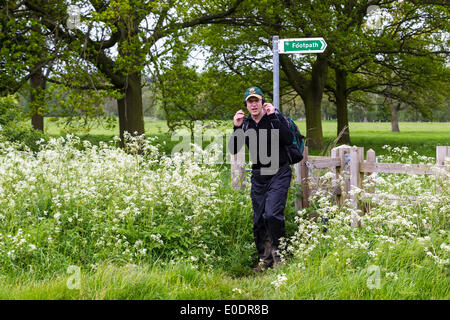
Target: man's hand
x=269 y=108
x=239 y=118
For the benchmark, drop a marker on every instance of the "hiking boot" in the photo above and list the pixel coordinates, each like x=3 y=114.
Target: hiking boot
x=261 y=267
x=277 y=262
x=266 y=258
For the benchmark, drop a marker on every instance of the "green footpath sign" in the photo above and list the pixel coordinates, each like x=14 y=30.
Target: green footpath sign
x=302 y=45
x=298 y=45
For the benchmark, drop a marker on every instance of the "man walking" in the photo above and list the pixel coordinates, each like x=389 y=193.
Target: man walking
x=266 y=137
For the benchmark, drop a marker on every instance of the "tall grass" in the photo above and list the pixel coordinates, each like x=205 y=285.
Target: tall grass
x=318 y=280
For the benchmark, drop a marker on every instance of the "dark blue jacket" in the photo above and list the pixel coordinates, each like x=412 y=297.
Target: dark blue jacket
x=251 y=128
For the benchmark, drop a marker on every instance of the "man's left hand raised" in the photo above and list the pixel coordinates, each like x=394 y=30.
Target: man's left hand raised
x=269 y=108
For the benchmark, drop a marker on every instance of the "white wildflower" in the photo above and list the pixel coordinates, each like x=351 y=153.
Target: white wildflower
x=391 y=275
x=445 y=247
x=281 y=279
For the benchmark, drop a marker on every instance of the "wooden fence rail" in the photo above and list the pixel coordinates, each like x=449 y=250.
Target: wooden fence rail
x=347 y=162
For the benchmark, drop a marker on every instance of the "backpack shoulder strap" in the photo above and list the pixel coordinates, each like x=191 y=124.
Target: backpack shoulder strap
x=289 y=122
x=285 y=118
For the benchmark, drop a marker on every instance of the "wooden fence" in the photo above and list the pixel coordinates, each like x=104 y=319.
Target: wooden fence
x=347 y=162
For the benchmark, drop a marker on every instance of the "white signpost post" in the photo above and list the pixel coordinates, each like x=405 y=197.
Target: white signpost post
x=287 y=46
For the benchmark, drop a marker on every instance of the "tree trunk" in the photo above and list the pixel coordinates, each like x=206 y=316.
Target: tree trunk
x=37 y=88
x=131 y=116
x=122 y=119
x=311 y=92
x=394 y=118
x=313 y=103
x=314 y=132
x=341 y=107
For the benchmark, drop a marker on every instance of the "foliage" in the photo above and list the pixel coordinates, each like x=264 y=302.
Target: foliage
x=129 y=36
x=75 y=109
x=386 y=228
x=23 y=46
x=174 y=229
x=33 y=52
x=9 y=110
x=405 y=42
x=82 y=204
x=188 y=95
x=13 y=128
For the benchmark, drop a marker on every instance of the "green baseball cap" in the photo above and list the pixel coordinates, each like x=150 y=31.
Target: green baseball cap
x=253 y=92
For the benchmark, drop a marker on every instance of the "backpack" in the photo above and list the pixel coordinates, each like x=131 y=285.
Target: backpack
x=295 y=150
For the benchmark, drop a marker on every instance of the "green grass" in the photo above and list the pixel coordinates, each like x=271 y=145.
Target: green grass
x=422 y=137
x=151 y=127
x=320 y=280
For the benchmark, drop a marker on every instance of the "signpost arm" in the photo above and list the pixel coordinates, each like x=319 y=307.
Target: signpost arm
x=276 y=75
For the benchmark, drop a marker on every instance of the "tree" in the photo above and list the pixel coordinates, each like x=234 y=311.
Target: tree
x=120 y=38
x=411 y=70
x=401 y=45
x=423 y=92
x=246 y=44
x=338 y=22
x=189 y=95
x=24 y=54
x=30 y=52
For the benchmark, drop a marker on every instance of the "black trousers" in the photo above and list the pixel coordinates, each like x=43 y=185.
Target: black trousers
x=269 y=195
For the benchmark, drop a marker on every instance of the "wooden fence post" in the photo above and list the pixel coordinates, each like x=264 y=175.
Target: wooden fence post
x=356 y=157
x=343 y=171
x=297 y=180
x=371 y=158
x=337 y=192
x=371 y=155
x=442 y=152
x=355 y=174
x=238 y=169
x=361 y=160
x=301 y=177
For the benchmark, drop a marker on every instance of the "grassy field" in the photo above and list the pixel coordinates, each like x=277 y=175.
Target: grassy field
x=422 y=137
x=152 y=227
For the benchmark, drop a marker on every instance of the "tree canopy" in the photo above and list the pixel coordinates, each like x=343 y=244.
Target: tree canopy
x=395 y=49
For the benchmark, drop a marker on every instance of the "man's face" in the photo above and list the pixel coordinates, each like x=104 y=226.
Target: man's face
x=254 y=106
